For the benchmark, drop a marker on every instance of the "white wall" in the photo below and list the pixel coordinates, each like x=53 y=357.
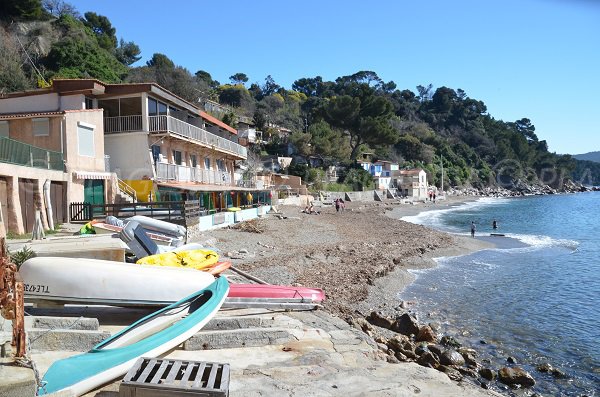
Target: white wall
x=129 y=154
x=31 y=103
x=72 y=102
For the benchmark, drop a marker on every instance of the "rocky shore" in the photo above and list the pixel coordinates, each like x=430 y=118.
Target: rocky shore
x=361 y=258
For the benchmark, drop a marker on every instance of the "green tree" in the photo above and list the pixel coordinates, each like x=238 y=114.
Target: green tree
x=366 y=120
x=127 y=52
x=102 y=28
x=238 y=78
x=21 y=10
x=159 y=61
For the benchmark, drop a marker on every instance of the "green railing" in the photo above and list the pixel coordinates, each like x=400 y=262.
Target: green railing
x=20 y=153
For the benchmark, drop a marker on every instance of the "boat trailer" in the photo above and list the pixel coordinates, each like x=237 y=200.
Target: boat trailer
x=11 y=300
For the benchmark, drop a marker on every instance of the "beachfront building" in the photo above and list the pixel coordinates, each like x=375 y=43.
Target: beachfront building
x=411 y=183
x=51 y=137
x=138 y=142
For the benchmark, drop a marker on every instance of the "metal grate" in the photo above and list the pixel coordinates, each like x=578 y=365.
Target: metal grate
x=162 y=377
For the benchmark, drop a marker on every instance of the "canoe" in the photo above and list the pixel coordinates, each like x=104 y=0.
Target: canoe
x=94 y=281
x=150 y=336
x=198 y=259
x=302 y=294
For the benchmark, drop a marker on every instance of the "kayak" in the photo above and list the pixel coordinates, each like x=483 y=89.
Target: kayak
x=198 y=259
x=94 y=281
x=150 y=336
x=303 y=294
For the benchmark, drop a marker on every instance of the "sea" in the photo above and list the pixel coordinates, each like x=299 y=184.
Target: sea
x=536 y=297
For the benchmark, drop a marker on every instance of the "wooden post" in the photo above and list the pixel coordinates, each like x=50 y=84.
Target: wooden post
x=11 y=299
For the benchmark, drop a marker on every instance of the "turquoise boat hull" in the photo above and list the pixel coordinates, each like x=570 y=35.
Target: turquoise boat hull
x=112 y=358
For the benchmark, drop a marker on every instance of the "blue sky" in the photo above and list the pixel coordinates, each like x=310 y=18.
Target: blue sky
x=538 y=59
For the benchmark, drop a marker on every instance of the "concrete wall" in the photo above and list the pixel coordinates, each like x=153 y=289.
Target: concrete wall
x=31 y=103
x=224 y=219
x=129 y=155
x=72 y=102
x=73 y=159
x=22 y=130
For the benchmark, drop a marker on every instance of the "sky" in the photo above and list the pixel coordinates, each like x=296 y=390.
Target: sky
x=538 y=59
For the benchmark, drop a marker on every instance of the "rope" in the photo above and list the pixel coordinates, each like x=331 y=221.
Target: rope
x=29 y=363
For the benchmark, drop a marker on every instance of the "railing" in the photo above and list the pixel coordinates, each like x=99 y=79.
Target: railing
x=126 y=189
x=171 y=124
x=15 y=152
x=180 y=173
x=167 y=210
x=123 y=123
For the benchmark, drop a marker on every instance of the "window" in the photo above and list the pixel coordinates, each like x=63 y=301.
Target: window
x=89 y=103
x=4 y=128
x=152 y=107
x=162 y=108
x=41 y=126
x=221 y=165
x=156 y=153
x=85 y=139
x=207 y=163
x=177 y=157
x=193 y=160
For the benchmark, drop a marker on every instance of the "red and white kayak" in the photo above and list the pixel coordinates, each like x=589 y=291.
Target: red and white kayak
x=301 y=294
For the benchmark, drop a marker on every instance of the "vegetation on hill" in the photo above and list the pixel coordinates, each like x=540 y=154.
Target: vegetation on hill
x=335 y=121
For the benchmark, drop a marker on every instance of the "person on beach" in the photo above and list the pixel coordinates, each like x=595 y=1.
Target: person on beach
x=433 y=197
x=342 y=205
x=494 y=224
x=337 y=205
x=472 y=229
x=430 y=195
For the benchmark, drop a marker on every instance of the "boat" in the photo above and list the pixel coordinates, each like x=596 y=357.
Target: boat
x=95 y=281
x=160 y=239
x=150 y=336
x=497 y=235
x=252 y=291
x=159 y=226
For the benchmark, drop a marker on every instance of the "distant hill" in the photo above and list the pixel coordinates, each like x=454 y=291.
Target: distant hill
x=591 y=156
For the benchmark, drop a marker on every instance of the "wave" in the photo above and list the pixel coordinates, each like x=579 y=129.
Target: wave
x=433 y=218
x=542 y=241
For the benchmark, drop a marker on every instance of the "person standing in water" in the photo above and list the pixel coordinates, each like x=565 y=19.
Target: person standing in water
x=472 y=229
x=494 y=225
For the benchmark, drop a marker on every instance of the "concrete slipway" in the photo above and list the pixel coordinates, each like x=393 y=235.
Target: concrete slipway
x=271 y=353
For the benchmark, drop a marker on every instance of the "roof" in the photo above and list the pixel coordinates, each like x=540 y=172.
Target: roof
x=414 y=171
x=218 y=122
x=43 y=114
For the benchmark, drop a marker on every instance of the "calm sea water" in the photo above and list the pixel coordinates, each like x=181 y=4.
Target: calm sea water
x=539 y=303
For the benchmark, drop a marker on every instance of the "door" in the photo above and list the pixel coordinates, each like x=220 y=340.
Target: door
x=93 y=193
x=27 y=205
x=57 y=197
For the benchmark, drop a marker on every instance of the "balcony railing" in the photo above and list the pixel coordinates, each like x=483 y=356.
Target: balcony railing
x=123 y=123
x=173 y=125
x=181 y=173
x=15 y=152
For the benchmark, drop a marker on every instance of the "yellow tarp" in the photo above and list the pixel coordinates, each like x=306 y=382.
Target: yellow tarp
x=195 y=259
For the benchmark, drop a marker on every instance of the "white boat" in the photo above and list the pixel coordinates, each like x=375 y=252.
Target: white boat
x=92 y=281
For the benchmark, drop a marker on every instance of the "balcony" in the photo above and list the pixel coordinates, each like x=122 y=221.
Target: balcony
x=175 y=127
x=15 y=152
x=180 y=173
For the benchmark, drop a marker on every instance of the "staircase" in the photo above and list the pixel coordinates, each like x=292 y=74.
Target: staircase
x=125 y=192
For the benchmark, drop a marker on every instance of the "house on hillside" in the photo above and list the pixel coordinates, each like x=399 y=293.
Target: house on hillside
x=381 y=171
x=411 y=183
x=140 y=139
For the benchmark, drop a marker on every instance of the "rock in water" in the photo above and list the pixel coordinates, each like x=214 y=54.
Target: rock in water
x=516 y=376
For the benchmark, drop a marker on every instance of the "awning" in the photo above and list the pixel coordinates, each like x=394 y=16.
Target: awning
x=92 y=175
x=192 y=187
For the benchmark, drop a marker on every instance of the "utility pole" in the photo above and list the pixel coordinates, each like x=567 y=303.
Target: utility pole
x=442 y=161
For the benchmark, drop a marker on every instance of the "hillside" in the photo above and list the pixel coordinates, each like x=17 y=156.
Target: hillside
x=336 y=121
x=590 y=156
